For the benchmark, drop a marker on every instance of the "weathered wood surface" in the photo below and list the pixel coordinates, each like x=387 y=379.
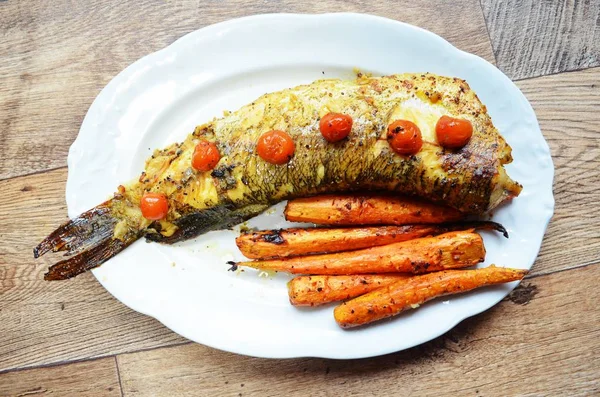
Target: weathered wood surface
x=533 y=38
x=98 y=378
x=56 y=56
x=567 y=106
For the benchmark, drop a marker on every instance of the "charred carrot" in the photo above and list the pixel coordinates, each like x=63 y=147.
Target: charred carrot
x=368 y=210
x=268 y=244
x=319 y=290
x=446 y=251
x=410 y=293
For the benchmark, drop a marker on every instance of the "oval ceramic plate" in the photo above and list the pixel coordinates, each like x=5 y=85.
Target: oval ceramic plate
x=162 y=97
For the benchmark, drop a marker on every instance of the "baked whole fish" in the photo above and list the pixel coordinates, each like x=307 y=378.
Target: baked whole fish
x=233 y=181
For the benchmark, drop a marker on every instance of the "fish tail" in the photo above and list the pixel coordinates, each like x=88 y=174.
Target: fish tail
x=87 y=239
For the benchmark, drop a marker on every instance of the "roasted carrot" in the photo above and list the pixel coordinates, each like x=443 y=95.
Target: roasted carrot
x=294 y=242
x=428 y=254
x=319 y=290
x=268 y=244
x=410 y=293
x=367 y=210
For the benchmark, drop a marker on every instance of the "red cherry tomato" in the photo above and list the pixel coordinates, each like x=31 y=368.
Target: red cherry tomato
x=275 y=147
x=206 y=156
x=453 y=133
x=335 y=126
x=404 y=137
x=154 y=206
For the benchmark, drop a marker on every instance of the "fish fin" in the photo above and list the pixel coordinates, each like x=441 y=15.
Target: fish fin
x=87 y=259
x=80 y=233
x=87 y=238
x=219 y=217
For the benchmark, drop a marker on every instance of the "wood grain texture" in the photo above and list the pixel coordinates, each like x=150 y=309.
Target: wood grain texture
x=42 y=322
x=58 y=55
x=98 y=378
x=533 y=38
x=567 y=106
x=547 y=347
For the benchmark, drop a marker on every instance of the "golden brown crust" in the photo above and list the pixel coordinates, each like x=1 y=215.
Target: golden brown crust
x=470 y=179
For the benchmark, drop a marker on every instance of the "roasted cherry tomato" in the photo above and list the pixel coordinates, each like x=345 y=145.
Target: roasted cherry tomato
x=453 y=133
x=335 y=126
x=404 y=137
x=154 y=206
x=275 y=147
x=206 y=156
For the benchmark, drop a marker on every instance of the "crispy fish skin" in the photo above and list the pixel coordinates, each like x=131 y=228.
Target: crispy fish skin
x=471 y=179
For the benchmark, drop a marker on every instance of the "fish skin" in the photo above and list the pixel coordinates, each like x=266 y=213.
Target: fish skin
x=471 y=179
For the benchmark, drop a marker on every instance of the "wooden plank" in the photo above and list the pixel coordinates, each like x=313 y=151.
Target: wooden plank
x=546 y=347
x=87 y=378
x=533 y=38
x=43 y=322
x=58 y=55
x=567 y=109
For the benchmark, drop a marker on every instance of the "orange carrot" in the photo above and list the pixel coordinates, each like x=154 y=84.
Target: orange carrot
x=267 y=244
x=446 y=251
x=295 y=242
x=410 y=293
x=319 y=290
x=367 y=210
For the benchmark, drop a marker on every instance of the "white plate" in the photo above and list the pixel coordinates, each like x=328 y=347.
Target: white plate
x=162 y=97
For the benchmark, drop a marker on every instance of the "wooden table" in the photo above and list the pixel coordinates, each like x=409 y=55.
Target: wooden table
x=73 y=338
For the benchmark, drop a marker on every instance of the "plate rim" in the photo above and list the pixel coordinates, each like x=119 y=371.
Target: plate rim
x=440 y=330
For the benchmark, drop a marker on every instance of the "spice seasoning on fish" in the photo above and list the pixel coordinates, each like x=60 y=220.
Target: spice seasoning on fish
x=245 y=181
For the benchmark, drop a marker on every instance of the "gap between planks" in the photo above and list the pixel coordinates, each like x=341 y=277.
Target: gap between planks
x=119 y=375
